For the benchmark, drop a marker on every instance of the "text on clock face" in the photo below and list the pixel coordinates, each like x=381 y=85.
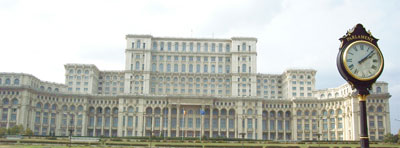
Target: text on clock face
x=363 y=60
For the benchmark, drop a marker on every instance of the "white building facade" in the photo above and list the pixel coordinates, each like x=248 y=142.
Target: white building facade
x=190 y=87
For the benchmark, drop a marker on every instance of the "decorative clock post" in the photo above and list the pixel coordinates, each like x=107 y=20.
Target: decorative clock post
x=360 y=63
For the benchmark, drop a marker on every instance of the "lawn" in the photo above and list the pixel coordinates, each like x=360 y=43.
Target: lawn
x=207 y=145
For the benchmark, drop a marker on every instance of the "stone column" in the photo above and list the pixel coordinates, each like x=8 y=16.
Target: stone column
x=169 y=120
x=178 y=123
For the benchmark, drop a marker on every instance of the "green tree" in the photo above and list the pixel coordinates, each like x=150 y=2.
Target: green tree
x=389 y=138
x=28 y=132
x=3 y=131
x=398 y=137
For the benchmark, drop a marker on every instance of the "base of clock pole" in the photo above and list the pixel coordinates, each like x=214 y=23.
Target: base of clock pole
x=364 y=140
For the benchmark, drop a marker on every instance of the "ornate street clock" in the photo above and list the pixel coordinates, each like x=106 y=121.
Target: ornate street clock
x=360 y=62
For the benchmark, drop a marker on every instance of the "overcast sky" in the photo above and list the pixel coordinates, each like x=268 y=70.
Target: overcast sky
x=39 y=37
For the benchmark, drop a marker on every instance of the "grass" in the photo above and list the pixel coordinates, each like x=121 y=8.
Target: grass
x=219 y=145
x=63 y=143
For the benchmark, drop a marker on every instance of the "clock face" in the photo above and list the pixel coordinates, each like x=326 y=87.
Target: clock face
x=362 y=60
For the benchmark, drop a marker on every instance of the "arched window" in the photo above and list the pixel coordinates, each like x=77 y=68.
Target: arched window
x=379 y=109
x=115 y=111
x=53 y=107
x=272 y=114
x=244 y=68
x=8 y=82
x=79 y=71
x=249 y=111
x=46 y=106
x=86 y=71
x=15 y=101
x=174 y=111
x=231 y=112
x=38 y=105
x=5 y=101
x=48 y=89
x=265 y=114
x=298 y=113
x=322 y=96
x=378 y=89
x=293 y=76
x=157 y=111
x=223 y=112
x=336 y=95
x=64 y=107
x=280 y=114
x=331 y=112
x=130 y=109
x=314 y=113
x=325 y=113
x=16 y=82
x=72 y=108
x=207 y=111
x=149 y=111
x=339 y=111
x=91 y=109
x=215 y=112
x=0 y=81
x=287 y=114
x=80 y=108
x=329 y=95
x=306 y=113
x=165 y=111
x=71 y=71
x=371 y=109
x=99 y=110
x=41 y=87
x=108 y=110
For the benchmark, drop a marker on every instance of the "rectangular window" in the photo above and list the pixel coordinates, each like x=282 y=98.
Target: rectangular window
x=115 y=122
x=190 y=123
x=183 y=46
x=107 y=122
x=191 y=47
x=249 y=123
x=223 y=123
x=176 y=46
x=207 y=123
x=231 y=123
x=198 y=47
x=272 y=125
x=157 y=122
x=198 y=122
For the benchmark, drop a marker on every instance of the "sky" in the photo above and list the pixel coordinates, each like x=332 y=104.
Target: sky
x=39 y=37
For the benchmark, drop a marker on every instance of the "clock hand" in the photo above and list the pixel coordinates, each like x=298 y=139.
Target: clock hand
x=363 y=59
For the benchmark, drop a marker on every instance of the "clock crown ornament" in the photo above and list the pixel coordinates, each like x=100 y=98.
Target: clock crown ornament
x=358 y=32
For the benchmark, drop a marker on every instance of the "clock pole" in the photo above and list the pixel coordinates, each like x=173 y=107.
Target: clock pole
x=362 y=74
x=364 y=140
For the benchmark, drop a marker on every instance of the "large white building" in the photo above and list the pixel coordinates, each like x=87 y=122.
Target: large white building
x=189 y=87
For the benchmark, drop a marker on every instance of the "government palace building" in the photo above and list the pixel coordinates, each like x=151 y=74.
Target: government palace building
x=190 y=87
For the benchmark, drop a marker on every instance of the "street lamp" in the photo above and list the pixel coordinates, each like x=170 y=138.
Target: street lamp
x=243 y=134
x=151 y=132
x=70 y=129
